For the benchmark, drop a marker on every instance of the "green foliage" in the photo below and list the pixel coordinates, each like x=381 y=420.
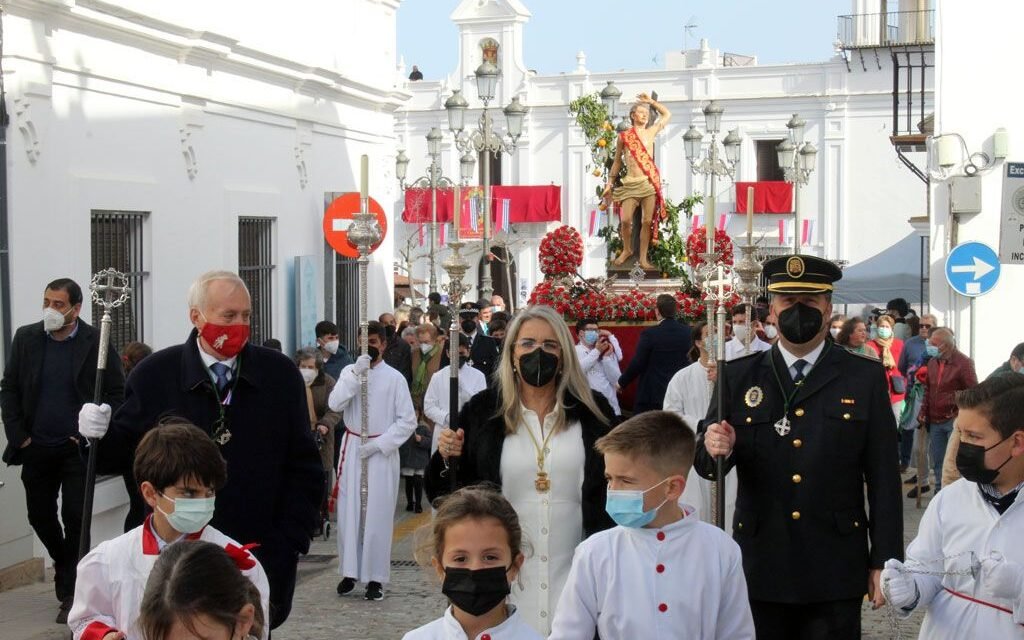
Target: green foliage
x=592 y=117
x=669 y=255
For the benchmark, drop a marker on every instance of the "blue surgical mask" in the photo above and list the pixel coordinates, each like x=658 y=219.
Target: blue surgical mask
x=884 y=333
x=932 y=351
x=190 y=515
x=626 y=507
x=590 y=337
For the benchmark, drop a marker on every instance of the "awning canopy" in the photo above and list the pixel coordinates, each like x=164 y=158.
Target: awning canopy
x=892 y=273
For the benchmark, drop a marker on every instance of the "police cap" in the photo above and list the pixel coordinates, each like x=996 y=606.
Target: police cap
x=801 y=274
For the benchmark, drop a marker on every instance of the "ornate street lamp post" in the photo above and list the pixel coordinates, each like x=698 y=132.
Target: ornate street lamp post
x=797 y=159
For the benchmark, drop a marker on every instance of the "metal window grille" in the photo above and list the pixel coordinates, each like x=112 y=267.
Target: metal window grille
x=256 y=268
x=118 y=239
x=347 y=301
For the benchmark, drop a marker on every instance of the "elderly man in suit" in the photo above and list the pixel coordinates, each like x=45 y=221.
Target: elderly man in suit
x=660 y=353
x=483 y=349
x=252 y=402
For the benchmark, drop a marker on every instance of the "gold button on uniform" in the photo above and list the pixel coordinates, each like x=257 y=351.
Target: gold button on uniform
x=749 y=420
x=739 y=526
x=796 y=515
x=846 y=416
x=796 y=478
x=856 y=524
x=798 y=443
x=799 y=413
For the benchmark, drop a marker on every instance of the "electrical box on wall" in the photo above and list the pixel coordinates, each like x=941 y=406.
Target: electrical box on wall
x=965 y=195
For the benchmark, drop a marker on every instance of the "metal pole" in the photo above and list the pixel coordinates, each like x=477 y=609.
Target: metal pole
x=364 y=382
x=433 y=226
x=713 y=328
x=796 y=211
x=972 y=328
x=485 y=283
x=456 y=267
x=719 y=497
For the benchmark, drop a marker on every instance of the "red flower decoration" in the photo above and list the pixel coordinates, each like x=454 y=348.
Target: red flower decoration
x=697 y=243
x=561 y=251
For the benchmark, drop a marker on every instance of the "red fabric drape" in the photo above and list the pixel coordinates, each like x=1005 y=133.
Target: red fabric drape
x=769 y=197
x=526 y=203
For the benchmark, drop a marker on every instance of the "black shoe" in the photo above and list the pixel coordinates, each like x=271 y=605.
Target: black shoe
x=409 y=507
x=911 y=480
x=346 y=585
x=418 y=508
x=374 y=591
x=62 y=613
x=913 y=492
x=903 y=468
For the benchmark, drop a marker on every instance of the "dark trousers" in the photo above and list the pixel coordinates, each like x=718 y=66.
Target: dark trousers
x=47 y=472
x=836 y=620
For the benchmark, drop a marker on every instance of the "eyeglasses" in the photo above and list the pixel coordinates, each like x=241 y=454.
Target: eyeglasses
x=926 y=326
x=529 y=344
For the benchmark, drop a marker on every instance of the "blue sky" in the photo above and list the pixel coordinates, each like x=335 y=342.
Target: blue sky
x=781 y=31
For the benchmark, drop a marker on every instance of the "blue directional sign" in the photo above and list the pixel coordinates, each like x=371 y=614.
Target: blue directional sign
x=972 y=269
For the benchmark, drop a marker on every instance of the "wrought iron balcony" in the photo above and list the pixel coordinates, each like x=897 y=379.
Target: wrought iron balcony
x=892 y=29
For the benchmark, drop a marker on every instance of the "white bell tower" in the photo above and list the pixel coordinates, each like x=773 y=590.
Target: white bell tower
x=492 y=30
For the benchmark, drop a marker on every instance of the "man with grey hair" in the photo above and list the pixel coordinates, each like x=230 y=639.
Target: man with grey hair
x=948 y=371
x=252 y=402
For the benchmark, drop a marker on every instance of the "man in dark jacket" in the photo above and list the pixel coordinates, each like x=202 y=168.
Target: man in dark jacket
x=51 y=371
x=483 y=349
x=252 y=402
x=660 y=353
x=809 y=427
x=397 y=353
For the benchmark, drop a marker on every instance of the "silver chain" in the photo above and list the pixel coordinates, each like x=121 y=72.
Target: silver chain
x=891 y=615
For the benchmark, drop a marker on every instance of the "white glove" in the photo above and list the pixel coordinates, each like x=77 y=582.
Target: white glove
x=368 y=449
x=898 y=586
x=1001 y=578
x=361 y=366
x=93 y=420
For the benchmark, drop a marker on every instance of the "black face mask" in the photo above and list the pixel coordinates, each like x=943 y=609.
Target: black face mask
x=389 y=332
x=970 y=462
x=800 y=323
x=468 y=326
x=476 y=592
x=463 y=360
x=538 y=367
x=374 y=353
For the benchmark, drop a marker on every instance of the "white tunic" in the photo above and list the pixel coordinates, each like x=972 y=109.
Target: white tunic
x=959 y=520
x=682 y=581
x=553 y=521
x=112 y=578
x=689 y=394
x=392 y=421
x=602 y=372
x=735 y=349
x=448 y=628
x=435 y=402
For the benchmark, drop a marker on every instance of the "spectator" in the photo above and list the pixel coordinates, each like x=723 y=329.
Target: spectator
x=735 y=348
x=325 y=422
x=497 y=327
x=483 y=350
x=898 y=310
x=50 y=373
x=497 y=303
x=416 y=74
x=914 y=347
x=334 y=354
x=660 y=353
x=532 y=433
x=1014 y=365
x=442 y=312
x=484 y=319
x=402 y=313
x=237 y=393
x=436 y=401
x=415 y=316
x=948 y=371
x=132 y=355
x=854 y=336
x=397 y=352
x=272 y=343
x=409 y=336
x=597 y=358
x=888 y=349
x=836 y=325
x=769 y=331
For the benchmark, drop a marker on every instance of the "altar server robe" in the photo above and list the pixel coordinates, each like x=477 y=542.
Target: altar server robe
x=448 y=628
x=112 y=578
x=682 y=581
x=959 y=520
x=392 y=420
x=436 y=400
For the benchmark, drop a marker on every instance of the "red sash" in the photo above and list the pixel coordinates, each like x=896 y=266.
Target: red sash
x=631 y=139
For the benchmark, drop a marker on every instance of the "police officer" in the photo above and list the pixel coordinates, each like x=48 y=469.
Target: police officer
x=808 y=426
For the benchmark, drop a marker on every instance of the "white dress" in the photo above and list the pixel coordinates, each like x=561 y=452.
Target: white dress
x=552 y=522
x=689 y=394
x=448 y=628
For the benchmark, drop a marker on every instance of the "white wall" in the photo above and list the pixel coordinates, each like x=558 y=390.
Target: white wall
x=976 y=93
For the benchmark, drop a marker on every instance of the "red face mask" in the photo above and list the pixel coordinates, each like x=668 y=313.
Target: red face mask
x=225 y=339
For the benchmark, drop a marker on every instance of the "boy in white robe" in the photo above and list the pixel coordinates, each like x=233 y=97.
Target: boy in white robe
x=438 y=396
x=970 y=535
x=365 y=556
x=662 y=573
x=179 y=469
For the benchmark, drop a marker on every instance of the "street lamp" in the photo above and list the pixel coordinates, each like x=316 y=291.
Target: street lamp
x=610 y=98
x=797 y=159
x=484 y=139
x=432 y=181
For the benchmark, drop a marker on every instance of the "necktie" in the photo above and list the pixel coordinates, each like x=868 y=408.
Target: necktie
x=223 y=373
x=799 y=365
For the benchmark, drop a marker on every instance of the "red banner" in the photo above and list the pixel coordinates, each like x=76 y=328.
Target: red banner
x=526 y=204
x=769 y=197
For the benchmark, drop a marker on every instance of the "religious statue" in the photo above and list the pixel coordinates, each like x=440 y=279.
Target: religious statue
x=641 y=186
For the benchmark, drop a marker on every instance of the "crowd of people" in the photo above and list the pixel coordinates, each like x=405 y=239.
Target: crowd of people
x=235 y=455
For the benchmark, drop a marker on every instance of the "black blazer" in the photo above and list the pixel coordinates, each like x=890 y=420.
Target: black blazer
x=660 y=353
x=484 y=353
x=800 y=519
x=19 y=388
x=485 y=438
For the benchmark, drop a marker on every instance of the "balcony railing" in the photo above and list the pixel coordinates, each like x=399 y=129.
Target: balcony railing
x=895 y=28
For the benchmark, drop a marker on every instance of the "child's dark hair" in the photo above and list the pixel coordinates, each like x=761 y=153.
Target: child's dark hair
x=469 y=503
x=1000 y=399
x=177 y=449
x=662 y=437
x=193 y=578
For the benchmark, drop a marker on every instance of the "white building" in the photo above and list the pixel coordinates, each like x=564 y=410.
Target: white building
x=860 y=198
x=169 y=138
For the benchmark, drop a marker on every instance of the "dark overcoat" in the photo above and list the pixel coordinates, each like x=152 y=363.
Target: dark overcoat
x=661 y=352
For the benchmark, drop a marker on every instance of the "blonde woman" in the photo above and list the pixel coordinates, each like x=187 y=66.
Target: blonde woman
x=532 y=433
x=889 y=349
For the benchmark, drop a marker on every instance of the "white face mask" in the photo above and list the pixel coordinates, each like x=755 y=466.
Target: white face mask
x=53 y=320
x=835 y=332
x=770 y=331
x=739 y=331
x=426 y=348
x=331 y=347
x=308 y=375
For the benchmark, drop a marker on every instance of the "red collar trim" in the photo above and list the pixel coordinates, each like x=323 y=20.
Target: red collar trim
x=150 y=544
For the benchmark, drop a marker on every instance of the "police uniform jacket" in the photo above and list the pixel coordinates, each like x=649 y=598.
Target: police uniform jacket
x=800 y=508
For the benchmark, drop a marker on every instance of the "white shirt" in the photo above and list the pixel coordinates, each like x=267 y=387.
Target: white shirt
x=112 y=578
x=682 y=581
x=435 y=401
x=735 y=349
x=209 y=361
x=959 y=520
x=602 y=372
x=448 y=628
x=810 y=358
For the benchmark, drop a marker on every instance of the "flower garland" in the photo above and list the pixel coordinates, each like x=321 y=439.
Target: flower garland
x=697 y=244
x=561 y=251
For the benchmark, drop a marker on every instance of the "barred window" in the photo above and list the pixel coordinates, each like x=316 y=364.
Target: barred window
x=346 y=300
x=256 y=267
x=118 y=242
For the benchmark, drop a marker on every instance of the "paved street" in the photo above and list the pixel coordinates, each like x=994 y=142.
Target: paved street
x=413 y=598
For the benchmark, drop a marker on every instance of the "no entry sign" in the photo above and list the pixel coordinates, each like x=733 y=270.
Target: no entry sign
x=340 y=215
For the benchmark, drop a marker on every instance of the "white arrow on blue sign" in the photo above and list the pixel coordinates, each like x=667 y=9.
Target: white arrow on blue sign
x=972 y=269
